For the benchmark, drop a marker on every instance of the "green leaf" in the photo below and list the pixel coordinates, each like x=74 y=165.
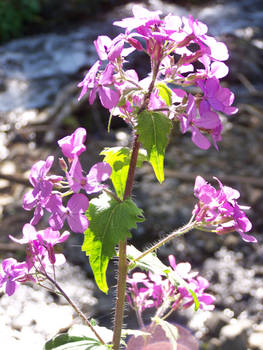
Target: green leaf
x=110 y=223
x=196 y=301
x=170 y=330
x=134 y=332
x=165 y=93
x=65 y=341
x=149 y=262
x=119 y=160
x=153 y=129
x=178 y=280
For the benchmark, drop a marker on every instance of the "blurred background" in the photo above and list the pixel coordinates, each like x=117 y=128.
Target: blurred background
x=46 y=48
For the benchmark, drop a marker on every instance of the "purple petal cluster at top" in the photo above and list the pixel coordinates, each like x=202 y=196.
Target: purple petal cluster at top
x=219 y=209
x=163 y=39
x=153 y=290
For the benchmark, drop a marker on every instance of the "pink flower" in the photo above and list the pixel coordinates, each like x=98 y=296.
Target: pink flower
x=73 y=213
x=219 y=209
x=142 y=17
x=102 y=83
x=91 y=183
x=73 y=145
x=41 y=242
x=208 y=122
x=154 y=290
x=43 y=184
x=13 y=272
x=220 y=99
x=108 y=49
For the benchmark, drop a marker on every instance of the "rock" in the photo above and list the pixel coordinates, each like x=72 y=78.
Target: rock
x=255 y=341
x=235 y=336
x=216 y=322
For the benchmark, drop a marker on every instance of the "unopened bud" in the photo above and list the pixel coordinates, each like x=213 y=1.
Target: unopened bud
x=63 y=164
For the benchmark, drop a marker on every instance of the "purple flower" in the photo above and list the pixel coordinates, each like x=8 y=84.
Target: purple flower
x=108 y=49
x=102 y=83
x=91 y=183
x=219 y=209
x=208 y=122
x=154 y=290
x=139 y=288
x=73 y=145
x=13 y=272
x=218 y=98
x=73 y=213
x=43 y=184
x=142 y=17
x=29 y=235
x=38 y=240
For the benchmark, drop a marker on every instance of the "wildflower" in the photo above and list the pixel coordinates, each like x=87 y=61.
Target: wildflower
x=219 y=209
x=73 y=213
x=91 y=183
x=13 y=272
x=73 y=145
x=101 y=83
x=43 y=184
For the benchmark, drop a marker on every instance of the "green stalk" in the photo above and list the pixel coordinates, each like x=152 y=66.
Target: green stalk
x=188 y=227
x=123 y=264
x=75 y=307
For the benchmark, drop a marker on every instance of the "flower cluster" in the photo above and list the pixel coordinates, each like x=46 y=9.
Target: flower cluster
x=219 y=209
x=44 y=196
x=47 y=195
x=40 y=257
x=168 y=292
x=182 y=55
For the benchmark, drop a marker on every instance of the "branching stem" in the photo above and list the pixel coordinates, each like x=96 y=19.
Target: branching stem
x=75 y=307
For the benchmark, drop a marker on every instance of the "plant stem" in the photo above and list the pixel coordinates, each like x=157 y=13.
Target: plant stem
x=123 y=265
x=75 y=307
x=174 y=234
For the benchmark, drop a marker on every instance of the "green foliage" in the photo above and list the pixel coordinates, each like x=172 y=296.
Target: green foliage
x=14 y=14
x=110 y=223
x=165 y=93
x=65 y=341
x=80 y=337
x=119 y=159
x=153 y=129
x=149 y=262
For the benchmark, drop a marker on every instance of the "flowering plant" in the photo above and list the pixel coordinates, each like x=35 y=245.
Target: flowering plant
x=182 y=88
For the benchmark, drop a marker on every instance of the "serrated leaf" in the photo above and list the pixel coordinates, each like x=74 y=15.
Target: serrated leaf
x=119 y=160
x=165 y=93
x=110 y=223
x=153 y=129
x=170 y=330
x=65 y=341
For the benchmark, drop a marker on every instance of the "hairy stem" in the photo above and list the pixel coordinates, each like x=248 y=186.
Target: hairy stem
x=75 y=307
x=123 y=265
x=188 y=227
